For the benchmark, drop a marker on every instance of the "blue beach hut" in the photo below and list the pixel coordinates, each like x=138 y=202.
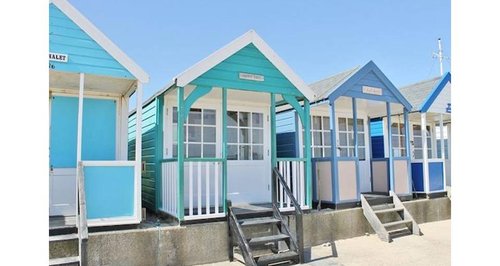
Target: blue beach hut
x=90 y=83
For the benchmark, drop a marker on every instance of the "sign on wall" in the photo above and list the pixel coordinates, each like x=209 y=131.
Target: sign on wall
x=372 y=90
x=253 y=77
x=58 y=57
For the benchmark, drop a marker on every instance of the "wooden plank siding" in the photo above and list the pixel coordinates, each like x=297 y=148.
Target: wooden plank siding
x=84 y=54
x=286 y=135
x=149 y=137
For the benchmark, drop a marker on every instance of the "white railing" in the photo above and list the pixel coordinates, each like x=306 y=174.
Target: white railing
x=293 y=171
x=169 y=179
x=203 y=182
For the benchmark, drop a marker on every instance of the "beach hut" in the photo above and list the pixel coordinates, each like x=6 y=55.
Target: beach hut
x=209 y=136
x=342 y=148
x=430 y=134
x=90 y=83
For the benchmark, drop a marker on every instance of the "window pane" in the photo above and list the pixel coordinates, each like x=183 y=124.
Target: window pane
x=417 y=142
x=194 y=134
x=361 y=127
x=351 y=152
x=402 y=140
x=395 y=141
x=416 y=130
x=418 y=154
x=244 y=135
x=209 y=150
x=258 y=136
x=243 y=119
x=208 y=117
x=328 y=152
x=258 y=152
x=244 y=152
x=342 y=124
x=343 y=152
x=403 y=152
x=361 y=153
x=257 y=120
x=232 y=152
x=429 y=154
x=174 y=150
x=317 y=138
x=350 y=124
x=326 y=123
x=361 y=139
x=174 y=115
x=232 y=118
x=194 y=116
x=208 y=134
x=174 y=133
x=396 y=152
x=343 y=139
x=394 y=128
x=317 y=152
x=326 y=138
x=316 y=122
x=194 y=150
x=232 y=135
x=429 y=142
x=351 y=139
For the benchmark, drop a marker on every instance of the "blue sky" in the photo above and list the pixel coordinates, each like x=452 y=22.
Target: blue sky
x=316 y=38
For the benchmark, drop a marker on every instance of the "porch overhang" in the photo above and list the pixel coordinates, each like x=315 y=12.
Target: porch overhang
x=69 y=82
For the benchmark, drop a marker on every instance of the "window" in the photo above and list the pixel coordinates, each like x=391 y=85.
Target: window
x=417 y=142
x=346 y=137
x=199 y=133
x=320 y=133
x=398 y=139
x=245 y=136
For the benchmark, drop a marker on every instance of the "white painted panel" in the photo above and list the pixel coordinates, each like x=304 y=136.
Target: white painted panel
x=62 y=199
x=380 y=177
x=347 y=180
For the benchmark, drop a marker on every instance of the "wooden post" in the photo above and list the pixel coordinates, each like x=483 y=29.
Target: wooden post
x=180 y=153
x=425 y=161
x=443 y=157
x=391 y=152
x=138 y=148
x=224 y=149
x=407 y=145
x=333 y=157
x=307 y=143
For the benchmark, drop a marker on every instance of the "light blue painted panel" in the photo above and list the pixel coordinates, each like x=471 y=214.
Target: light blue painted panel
x=436 y=176
x=63 y=127
x=285 y=122
x=109 y=191
x=99 y=129
x=84 y=54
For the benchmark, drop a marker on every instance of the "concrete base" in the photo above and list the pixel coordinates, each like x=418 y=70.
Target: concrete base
x=208 y=242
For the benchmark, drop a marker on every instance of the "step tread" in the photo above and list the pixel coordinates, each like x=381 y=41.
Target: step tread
x=66 y=260
x=397 y=223
x=399 y=231
x=248 y=222
x=266 y=239
x=63 y=237
x=280 y=257
x=388 y=210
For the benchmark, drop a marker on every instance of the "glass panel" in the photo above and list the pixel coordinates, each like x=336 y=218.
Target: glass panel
x=361 y=139
x=208 y=117
x=174 y=115
x=351 y=139
x=429 y=142
x=403 y=152
x=402 y=140
x=418 y=154
x=243 y=119
x=244 y=152
x=350 y=124
x=194 y=117
x=416 y=130
x=343 y=152
x=417 y=143
x=174 y=133
x=232 y=119
x=244 y=135
x=394 y=128
x=429 y=154
x=317 y=152
x=194 y=134
x=351 y=152
x=317 y=138
x=257 y=120
x=232 y=135
x=342 y=124
x=194 y=150
x=316 y=122
x=258 y=152
x=343 y=139
x=209 y=150
x=328 y=152
x=395 y=141
x=208 y=134
x=174 y=150
x=232 y=152
x=396 y=152
x=361 y=127
x=326 y=123
x=326 y=138
x=258 y=136
x=361 y=153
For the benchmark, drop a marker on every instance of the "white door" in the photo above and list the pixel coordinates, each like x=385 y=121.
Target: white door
x=249 y=164
x=62 y=200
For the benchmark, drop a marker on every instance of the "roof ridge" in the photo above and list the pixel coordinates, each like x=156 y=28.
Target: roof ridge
x=337 y=74
x=421 y=82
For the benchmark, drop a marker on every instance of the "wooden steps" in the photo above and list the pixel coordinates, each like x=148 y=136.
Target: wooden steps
x=65 y=261
x=381 y=208
x=267 y=239
x=282 y=257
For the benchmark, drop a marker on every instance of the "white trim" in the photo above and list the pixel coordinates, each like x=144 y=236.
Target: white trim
x=80 y=119
x=204 y=216
x=60 y=91
x=123 y=155
x=138 y=148
x=108 y=163
x=101 y=39
x=425 y=157
x=113 y=221
x=220 y=55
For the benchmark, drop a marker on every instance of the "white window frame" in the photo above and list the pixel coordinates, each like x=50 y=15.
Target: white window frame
x=350 y=146
x=398 y=151
x=250 y=128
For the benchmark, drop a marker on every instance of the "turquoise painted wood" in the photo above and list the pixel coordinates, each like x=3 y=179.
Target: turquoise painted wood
x=180 y=153
x=84 y=54
x=99 y=181
x=193 y=97
x=273 y=131
x=224 y=148
x=159 y=148
x=248 y=60
x=98 y=134
x=307 y=143
x=149 y=151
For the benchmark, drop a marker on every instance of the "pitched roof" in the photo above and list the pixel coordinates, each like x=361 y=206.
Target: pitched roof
x=419 y=94
x=250 y=37
x=325 y=87
x=101 y=39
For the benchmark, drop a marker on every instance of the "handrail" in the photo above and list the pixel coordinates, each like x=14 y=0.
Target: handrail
x=83 y=233
x=277 y=215
x=242 y=242
x=298 y=211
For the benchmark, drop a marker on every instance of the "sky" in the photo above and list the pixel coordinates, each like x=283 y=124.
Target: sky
x=315 y=38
